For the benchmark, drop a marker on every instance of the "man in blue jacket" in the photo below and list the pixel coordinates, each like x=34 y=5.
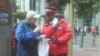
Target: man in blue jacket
x=26 y=35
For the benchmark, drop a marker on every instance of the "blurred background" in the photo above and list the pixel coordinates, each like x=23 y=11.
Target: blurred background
x=82 y=15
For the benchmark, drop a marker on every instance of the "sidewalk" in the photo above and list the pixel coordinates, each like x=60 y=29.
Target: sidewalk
x=88 y=41
x=85 y=52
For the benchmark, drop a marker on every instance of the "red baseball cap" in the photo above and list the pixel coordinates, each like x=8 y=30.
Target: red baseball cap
x=50 y=10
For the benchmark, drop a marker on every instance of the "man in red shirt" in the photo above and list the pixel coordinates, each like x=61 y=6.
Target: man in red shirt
x=58 y=31
x=93 y=30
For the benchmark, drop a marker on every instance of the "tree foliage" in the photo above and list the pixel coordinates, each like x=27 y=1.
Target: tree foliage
x=86 y=9
x=62 y=4
x=14 y=6
x=19 y=15
x=58 y=4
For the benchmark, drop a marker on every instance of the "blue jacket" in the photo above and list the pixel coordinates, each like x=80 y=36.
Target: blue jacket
x=27 y=42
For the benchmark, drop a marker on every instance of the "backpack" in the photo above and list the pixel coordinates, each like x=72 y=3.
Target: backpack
x=14 y=41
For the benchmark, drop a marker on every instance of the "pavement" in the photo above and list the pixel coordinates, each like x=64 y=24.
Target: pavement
x=88 y=49
x=88 y=41
x=85 y=51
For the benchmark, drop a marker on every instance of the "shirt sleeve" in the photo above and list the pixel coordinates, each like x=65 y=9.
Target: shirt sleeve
x=23 y=35
x=67 y=35
x=48 y=30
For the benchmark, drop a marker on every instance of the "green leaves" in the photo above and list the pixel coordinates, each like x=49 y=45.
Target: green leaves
x=58 y=4
x=14 y=6
x=62 y=4
x=86 y=9
x=19 y=15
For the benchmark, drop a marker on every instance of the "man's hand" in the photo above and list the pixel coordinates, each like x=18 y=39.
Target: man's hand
x=54 y=39
x=37 y=29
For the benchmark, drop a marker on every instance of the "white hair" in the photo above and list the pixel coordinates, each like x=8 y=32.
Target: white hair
x=31 y=14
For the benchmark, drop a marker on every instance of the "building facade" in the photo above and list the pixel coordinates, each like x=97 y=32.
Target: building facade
x=26 y=5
